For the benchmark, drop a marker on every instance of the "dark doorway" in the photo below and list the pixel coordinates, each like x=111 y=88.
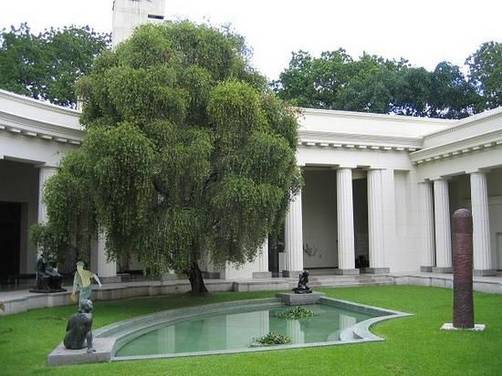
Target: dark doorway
x=275 y=246
x=361 y=241
x=10 y=239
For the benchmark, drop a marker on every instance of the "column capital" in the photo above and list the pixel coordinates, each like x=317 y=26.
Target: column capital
x=483 y=171
x=376 y=169
x=439 y=178
x=425 y=182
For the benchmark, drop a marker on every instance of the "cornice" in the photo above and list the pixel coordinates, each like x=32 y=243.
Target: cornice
x=357 y=141
x=466 y=122
x=18 y=125
x=38 y=103
x=453 y=149
x=373 y=116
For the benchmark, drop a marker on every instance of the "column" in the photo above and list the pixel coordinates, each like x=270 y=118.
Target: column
x=293 y=237
x=482 y=255
x=442 y=227
x=106 y=270
x=375 y=223
x=45 y=172
x=345 y=222
x=262 y=262
x=428 y=251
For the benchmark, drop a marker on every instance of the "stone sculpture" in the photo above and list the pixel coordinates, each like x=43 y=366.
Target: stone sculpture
x=82 y=284
x=303 y=281
x=48 y=278
x=79 y=329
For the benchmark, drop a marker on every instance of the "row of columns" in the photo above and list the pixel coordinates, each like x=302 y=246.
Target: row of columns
x=437 y=251
x=345 y=226
x=103 y=267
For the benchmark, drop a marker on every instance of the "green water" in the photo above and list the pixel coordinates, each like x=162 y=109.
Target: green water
x=238 y=330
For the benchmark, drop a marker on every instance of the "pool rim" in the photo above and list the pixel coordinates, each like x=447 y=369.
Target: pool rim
x=358 y=333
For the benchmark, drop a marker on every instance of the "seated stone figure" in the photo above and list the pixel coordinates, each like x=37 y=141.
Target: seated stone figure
x=48 y=279
x=79 y=329
x=303 y=284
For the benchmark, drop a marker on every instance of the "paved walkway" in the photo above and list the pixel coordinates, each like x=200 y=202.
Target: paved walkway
x=23 y=300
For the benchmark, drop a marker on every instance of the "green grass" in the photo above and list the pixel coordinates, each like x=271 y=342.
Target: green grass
x=413 y=345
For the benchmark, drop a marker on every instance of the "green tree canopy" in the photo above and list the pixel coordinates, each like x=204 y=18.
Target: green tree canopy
x=485 y=73
x=335 y=80
x=47 y=65
x=187 y=155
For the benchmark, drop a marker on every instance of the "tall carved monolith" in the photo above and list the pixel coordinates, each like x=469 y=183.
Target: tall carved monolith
x=463 y=306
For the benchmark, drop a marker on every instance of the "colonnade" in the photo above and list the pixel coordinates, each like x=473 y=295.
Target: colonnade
x=345 y=227
x=437 y=250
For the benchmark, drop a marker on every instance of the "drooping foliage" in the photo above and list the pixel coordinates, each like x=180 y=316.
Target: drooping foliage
x=187 y=155
x=335 y=80
x=46 y=65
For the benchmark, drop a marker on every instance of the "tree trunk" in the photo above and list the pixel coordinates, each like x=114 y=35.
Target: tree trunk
x=196 y=280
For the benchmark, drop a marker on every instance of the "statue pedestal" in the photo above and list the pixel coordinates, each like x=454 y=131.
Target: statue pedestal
x=476 y=328
x=300 y=299
x=63 y=357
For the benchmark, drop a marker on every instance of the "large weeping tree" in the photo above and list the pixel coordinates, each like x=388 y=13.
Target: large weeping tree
x=187 y=156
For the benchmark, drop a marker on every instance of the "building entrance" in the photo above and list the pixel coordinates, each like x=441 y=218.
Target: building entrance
x=10 y=239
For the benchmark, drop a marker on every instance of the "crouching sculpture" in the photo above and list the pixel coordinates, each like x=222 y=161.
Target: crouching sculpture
x=79 y=329
x=303 y=284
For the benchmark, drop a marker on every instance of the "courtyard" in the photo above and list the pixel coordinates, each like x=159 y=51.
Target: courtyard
x=413 y=345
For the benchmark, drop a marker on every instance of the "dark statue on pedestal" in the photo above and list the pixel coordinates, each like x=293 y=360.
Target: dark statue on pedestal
x=48 y=278
x=79 y=329
x=303 y=284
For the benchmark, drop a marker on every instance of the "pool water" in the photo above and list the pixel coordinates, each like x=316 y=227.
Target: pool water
x=233 y=331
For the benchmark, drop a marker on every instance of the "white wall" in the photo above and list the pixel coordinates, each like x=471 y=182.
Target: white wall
x=319 y=218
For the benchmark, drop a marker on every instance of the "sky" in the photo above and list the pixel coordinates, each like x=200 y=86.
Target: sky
x=425 y=32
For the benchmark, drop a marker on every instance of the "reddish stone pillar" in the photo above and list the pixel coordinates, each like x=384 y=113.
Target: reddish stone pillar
x=463 y=306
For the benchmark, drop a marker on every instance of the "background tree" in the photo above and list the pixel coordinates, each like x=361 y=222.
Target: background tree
x=187 y=155
x=485 y=73
x=47 y=65
x=335 y=80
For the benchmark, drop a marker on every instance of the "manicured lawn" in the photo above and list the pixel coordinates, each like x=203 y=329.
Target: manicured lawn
x=413 y=345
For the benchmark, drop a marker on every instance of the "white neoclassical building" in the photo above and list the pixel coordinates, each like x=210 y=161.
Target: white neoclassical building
x=378 y=196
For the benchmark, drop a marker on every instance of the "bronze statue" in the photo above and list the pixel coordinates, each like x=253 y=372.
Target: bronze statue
x=79 y=329
x=48 y=278
x=303 y=281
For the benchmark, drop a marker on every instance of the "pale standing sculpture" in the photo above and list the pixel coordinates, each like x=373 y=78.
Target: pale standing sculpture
x=82 y=284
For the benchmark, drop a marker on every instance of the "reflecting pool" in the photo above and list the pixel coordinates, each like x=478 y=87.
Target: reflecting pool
x=238 y=330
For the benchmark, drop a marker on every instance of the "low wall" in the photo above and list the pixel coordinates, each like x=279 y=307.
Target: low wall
x=20 y=301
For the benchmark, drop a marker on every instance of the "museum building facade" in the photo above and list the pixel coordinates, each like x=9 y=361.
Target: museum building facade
x=378 y=196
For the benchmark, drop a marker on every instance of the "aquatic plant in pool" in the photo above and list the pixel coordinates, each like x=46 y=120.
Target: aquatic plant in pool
x=296 y=313
x=272 y=338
